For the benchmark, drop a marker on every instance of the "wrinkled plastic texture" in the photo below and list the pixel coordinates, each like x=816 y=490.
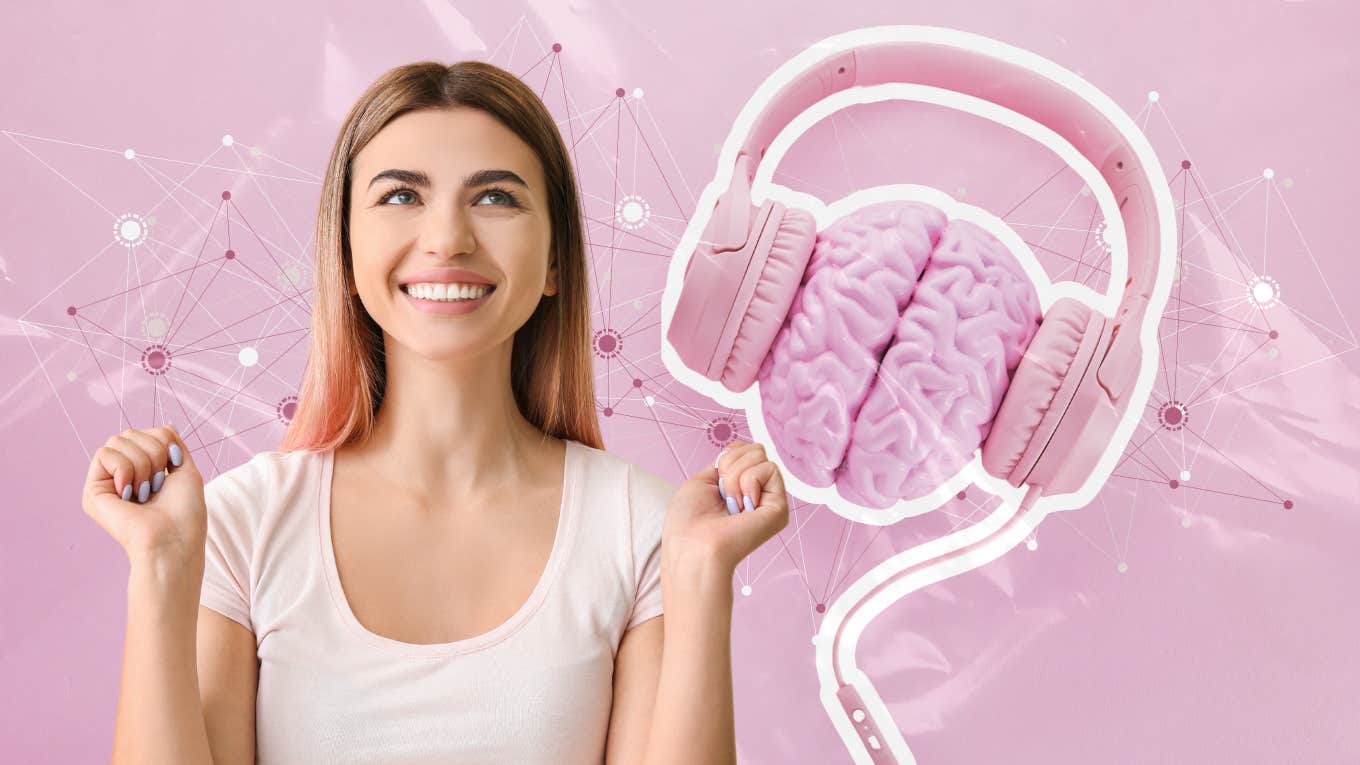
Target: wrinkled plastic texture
x=1201 y=610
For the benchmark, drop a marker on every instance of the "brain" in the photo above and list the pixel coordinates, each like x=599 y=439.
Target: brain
x=896 y=352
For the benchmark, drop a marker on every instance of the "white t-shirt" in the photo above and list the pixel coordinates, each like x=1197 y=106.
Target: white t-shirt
x=536 y=689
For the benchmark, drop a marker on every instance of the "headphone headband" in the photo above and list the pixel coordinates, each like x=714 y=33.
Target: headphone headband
x=973 y=66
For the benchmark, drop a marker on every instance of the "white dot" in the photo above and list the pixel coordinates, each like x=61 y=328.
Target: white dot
x=1185 y=475
x=130 y=230
x=1273 y=353
x=1032 y=544
x=248 y=356
x=1186 y=521
x=632 y=212
x=227 y=140
x=71 y=376
x=1123 y=567
x=637 y=92
x=1268 y=173
x=1263 y=292
x=858 y=715
x=814 y=640
x=129 y=154
x=228 y=432
x=1153 y=96
x=746 y=589
x=650 y=400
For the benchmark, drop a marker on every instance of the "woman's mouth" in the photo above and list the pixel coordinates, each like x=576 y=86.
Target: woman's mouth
x=447 y=299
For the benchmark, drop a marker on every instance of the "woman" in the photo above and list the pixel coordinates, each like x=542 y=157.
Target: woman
x=441 y=563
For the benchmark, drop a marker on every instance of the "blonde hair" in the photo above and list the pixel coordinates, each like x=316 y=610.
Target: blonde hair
x=551 y=368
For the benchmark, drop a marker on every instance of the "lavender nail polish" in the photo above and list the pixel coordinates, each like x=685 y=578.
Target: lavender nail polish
x=721 y=491
x=144 y=492
x=157 y=480
x=176 y=457
x=732 y=506
x=127 y=492
x=747 y=501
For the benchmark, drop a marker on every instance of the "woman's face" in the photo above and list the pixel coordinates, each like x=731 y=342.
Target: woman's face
x=437 y=215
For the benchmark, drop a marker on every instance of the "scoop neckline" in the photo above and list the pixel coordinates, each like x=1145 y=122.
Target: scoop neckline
x=562 y=538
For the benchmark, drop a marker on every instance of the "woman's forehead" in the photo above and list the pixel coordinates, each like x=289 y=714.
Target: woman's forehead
x=447 y=145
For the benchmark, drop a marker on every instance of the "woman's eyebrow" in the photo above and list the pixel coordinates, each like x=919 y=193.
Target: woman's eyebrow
x=420 y=179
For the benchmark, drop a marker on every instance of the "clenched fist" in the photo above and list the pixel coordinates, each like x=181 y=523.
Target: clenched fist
x=145 y=490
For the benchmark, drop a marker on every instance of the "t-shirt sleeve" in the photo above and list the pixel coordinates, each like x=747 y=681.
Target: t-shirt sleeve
x=233 y=499
x=648 y=497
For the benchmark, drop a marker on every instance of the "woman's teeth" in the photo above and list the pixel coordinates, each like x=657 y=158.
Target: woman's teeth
x=446 y=292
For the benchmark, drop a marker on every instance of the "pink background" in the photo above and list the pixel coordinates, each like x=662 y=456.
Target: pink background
x=1203 y=623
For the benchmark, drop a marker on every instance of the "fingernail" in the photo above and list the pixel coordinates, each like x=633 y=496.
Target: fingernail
x=747 y=501
x=144 y=492
x=176 y=458
x=127 y=492
x=721 y=491
x=732 y=506
x=157 y=480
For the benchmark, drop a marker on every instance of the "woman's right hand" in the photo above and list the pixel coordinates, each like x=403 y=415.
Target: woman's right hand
x=172 y=521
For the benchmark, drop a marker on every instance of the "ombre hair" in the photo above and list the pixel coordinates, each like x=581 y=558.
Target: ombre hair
x=551 y=368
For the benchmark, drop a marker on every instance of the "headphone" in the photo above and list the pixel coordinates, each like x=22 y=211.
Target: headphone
x=765 y=295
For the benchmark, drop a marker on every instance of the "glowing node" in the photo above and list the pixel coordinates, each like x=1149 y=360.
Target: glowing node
x=632 y=212
x=1153 y=96
x=650 y=400
x=227 y=140
x=1264 y=291
x=1123 y=567
x=637 y=92
x=228 y=432
x=721 y=431
x=1268 y=173
x=1185 y=475
x=746 y=590
x=1032 y=543
x=1173 y=415
x=130 y=230
x=1101 y=241
x=70 y=376
x=1185 y=522
x=607 y=343
x=155 y=325
x=289 y=277
x=248 y=356
x=286 y=409
x=156 y=359
x=1274 y=353
x=129 y=154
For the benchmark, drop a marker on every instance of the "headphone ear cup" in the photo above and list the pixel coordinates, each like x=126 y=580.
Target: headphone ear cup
x=788 y=241
x=1038 y=387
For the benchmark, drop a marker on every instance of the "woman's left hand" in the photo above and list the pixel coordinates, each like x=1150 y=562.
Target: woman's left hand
x=702 y=527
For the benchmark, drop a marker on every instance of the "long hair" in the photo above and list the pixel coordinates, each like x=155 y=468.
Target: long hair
x=551 y=368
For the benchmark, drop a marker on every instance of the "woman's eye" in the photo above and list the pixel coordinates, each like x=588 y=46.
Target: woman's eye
x=394 y=194
x=509 y=201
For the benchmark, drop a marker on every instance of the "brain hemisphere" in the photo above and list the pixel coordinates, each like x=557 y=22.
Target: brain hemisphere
x=942 y=379
x=861 y=274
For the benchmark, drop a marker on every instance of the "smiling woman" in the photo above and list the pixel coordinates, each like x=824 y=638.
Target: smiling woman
x=441 y=516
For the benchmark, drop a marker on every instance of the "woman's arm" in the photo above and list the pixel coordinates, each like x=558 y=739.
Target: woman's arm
x=693 y=717
x=160 y=716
